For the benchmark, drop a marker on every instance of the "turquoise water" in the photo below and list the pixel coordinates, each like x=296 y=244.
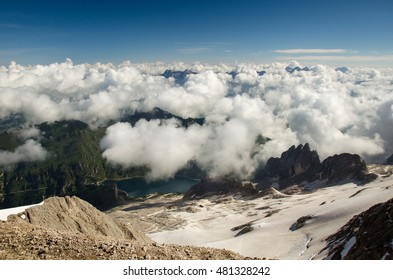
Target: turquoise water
x=140 y=187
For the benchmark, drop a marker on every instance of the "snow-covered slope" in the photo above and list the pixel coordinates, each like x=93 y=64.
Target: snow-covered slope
x=276 y=232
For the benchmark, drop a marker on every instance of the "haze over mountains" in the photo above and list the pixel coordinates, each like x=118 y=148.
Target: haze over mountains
x=316 y=104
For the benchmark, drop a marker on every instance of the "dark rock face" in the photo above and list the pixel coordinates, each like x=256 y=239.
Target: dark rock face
x=297 y=68
x=297 y=161
x=294 y=162
x=342 y=69
x=224 y=185
x=244 y=230
x=159 y=114
x=343 y=167
x=300 y=222
x=232 y=73
x=301 y=164
x=179 y=76
x=367 y=236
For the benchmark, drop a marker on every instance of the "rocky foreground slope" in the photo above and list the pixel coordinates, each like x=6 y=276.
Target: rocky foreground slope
x=367 y=236
x=70 y=228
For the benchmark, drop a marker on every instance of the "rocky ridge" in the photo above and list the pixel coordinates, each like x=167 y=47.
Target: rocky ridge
x=72 y=214
x=301 y=164
x=70 y=228
x=367 y=236
x=224 y=185
x=297 y=166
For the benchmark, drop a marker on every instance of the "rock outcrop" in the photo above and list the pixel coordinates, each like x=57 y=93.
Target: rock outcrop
x=295 y=161
x=179 y=76
x=71 y=214
x=367 y=236
x=300 y=164
x=345 y=167
x=297 y=68
x=223 y=185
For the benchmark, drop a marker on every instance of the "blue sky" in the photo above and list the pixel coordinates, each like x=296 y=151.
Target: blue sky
x=329 y=32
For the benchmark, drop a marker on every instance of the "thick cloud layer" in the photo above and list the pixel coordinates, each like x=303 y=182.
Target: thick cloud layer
x=334 y=111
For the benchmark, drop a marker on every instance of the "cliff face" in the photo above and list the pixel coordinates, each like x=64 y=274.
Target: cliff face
x=299 y=164
x=367 y=236
x=294 y=162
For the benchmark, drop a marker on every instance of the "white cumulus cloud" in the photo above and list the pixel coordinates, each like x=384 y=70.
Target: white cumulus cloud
x=334 y=111
x=29 y=151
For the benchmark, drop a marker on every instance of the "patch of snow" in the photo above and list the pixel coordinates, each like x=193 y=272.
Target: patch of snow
x=348 y=246
x=4 y=213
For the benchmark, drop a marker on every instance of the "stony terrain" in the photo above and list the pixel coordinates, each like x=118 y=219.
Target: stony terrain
x=368 y=235
x=58 y=230
x=28 y=242
x=72 y=214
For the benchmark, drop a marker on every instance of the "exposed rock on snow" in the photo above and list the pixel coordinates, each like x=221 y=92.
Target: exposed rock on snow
x=293 y=162
x=366 y=236
x=244 y=230
x=330 y=209
x=300 y=164
x=300 y=222
x=224 y=185
x=345 y=167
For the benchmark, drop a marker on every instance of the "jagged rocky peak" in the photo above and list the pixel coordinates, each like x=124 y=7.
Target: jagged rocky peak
x=296 y=68
x=300 y=163
x=72 y=214
x=234 y=73
x=345 y=166
x=367 y=236
x=342 y=69
x=293 y=162
x=179 y=76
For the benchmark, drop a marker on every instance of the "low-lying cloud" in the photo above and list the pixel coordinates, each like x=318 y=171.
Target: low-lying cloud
x=29 y=151
x=334 y=111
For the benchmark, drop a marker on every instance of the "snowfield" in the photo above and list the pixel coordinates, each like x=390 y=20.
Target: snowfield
x=272 y=219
